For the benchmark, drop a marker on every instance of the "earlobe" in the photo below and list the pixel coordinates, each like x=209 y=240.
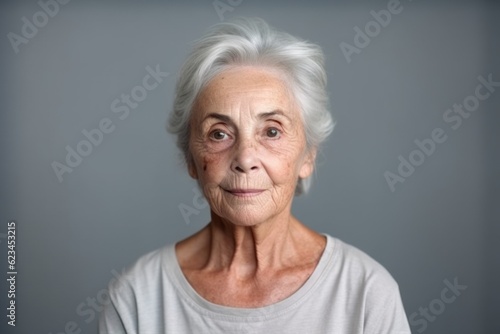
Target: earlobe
x=306 y=170
x=307 y=167
x=192 y=169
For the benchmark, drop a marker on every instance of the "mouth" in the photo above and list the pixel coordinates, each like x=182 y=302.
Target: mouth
x=244 y=192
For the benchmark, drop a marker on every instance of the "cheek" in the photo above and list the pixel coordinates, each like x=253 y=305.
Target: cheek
x=211 y=167
x=282 y=169
x=285 y=172
x=286 y=157
x=205 y=161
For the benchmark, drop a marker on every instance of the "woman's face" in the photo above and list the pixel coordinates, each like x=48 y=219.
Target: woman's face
x=248 y=145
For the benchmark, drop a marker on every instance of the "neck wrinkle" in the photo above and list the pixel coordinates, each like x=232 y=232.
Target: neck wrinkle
x=248 y=250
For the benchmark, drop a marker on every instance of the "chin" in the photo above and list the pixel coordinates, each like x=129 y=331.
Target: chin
x=243 y=217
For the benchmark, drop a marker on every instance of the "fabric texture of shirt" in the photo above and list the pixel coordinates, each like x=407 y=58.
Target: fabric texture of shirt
x=347 y=293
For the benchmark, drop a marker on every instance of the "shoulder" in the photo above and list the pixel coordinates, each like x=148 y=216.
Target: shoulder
x=144 y=271
x=371 y=287
x=360 y=266
x=134 y=294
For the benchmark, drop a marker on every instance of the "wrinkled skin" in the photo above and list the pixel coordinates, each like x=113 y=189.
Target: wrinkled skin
x=246 y=133
x=248 y=150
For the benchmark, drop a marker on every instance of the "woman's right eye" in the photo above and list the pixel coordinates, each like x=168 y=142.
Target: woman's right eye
x=218 y=135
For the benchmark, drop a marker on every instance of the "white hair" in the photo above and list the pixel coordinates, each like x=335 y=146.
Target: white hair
x=251 y=41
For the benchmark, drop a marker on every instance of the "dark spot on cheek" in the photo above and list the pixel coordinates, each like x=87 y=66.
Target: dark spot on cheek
x=206 y=161
x=209 y=160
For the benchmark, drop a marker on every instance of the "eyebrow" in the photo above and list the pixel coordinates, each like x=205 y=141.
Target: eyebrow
x=227 y=119
x=218 y=116
x=275 y=112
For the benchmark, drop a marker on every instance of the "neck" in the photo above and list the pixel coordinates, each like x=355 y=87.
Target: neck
x=245 y=251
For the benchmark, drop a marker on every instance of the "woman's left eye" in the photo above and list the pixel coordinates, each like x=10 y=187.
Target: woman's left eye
x=273 y=133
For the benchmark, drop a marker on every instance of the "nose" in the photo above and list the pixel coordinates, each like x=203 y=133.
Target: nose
x=245 y=159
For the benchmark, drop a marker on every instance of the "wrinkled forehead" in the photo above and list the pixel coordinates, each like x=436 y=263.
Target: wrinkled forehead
x=248 y=90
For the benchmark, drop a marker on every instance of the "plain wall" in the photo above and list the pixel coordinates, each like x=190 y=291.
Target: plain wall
x=124 y=199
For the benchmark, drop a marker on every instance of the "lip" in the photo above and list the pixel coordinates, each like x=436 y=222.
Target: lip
x=245 y=192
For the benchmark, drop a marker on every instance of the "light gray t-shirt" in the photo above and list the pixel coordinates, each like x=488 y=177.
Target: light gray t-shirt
x=348 y=292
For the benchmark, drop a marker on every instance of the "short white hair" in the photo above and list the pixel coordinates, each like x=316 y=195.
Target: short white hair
x=251 y=41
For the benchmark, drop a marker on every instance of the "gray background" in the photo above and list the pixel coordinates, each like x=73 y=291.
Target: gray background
x=442 y=223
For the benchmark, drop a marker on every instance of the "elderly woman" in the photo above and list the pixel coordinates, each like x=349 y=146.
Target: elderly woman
x=250 y=112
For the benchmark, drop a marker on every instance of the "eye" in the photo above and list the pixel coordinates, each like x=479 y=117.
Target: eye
x=273 y=133
x=218 y=135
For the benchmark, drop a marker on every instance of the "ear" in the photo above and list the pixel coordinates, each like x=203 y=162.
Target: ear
x=192 y=168
x=307 y=167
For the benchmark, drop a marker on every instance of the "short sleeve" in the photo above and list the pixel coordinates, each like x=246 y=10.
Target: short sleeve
x=384 y=311
x=118 y=315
